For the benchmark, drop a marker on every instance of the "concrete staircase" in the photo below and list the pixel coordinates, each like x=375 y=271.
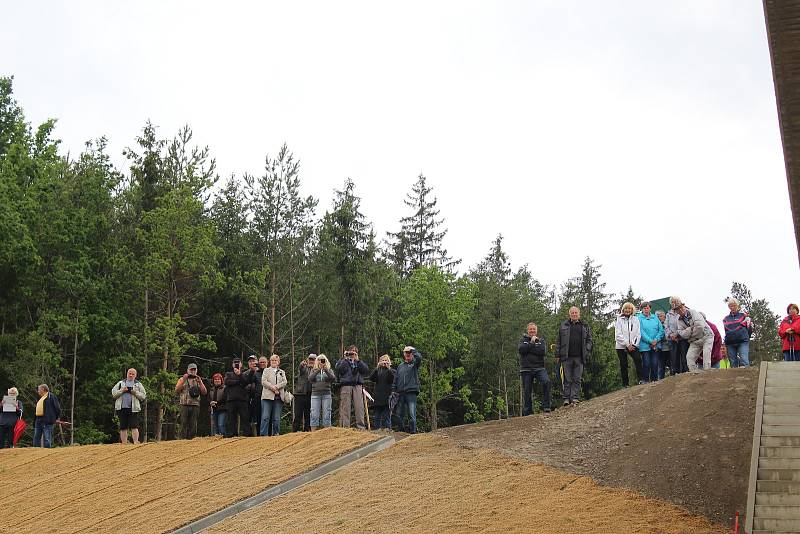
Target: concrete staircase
x=773 y=496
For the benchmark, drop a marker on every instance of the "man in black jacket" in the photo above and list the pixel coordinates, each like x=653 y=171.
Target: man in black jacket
x=302 y=396
x=574 y=348
x=350 y=372
x=236 y=400
x=48 y=410
x=531 y=365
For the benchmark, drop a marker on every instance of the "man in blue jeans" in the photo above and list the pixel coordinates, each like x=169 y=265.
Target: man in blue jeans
x=531 y=365
x=406 y=386
x=48 y=411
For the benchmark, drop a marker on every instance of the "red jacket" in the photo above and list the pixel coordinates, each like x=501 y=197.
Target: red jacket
x=786 y=324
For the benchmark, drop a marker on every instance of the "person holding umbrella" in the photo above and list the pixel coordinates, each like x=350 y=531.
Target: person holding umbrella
x=10 y=415
x=788 y=331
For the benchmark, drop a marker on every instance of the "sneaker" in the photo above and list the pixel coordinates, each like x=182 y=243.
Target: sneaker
x=574 y=403
x=566 y=403
x=547 y=410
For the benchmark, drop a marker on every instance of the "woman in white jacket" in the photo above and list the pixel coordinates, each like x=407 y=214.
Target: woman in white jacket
x=273 y=380
x=627 y=336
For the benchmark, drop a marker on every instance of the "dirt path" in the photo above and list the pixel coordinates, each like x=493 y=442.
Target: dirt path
x=154 y=487
x=686 y=440
x=429 y=483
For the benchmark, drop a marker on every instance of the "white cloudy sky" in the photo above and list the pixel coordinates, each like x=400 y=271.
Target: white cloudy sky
x=641 y=133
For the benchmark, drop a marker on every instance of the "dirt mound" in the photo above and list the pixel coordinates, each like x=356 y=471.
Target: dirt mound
x=429 y=483
x=686 y=439
x=155 y=487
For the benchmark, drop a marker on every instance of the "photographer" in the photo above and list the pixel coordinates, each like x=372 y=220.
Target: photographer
x=383 y=378
x=302 y=396
x=532 y=349
x=190 y=387
x=128 y=395
x=321 y=377
x=236 y=401
x=350 y=372
x=406 y=385
x=216 y=398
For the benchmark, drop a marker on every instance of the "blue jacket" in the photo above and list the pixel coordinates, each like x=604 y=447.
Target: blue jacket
x=52 y=409
x=651 y=330
x=350 y=372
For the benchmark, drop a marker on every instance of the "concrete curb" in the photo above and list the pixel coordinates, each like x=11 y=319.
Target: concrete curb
x=284 y=487
x=751 y=487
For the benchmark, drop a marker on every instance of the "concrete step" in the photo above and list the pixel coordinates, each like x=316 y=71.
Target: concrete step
x=784 y=487
x=792 y=392
x=780 y=441
x=780 y=430
x=779 y=463
x=779 y=474
x=777 y=499
x=777 y=512
x=784 y=380
x=782 y=408
x=781 y=419
x=776 y=525
x=779 y=452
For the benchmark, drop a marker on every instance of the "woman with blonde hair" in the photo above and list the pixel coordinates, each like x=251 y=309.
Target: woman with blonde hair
x=10 y=414
x=273 y=380
x=321 y=378
x=627 y=334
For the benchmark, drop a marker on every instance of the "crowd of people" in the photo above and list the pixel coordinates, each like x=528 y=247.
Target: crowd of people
x=680 y=339
x=249 y=399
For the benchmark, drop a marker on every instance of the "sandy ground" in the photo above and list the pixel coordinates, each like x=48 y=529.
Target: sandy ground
x=686 y=440
x=430 y=483
x=154 y=487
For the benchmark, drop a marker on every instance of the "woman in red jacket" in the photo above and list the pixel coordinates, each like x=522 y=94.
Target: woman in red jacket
x=789 y=331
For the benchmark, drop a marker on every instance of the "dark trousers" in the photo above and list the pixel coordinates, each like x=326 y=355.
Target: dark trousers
x=677 y=356
x=302 y=413
x=6 y=436
x=254 y=411
x=573 y=372
x=623 y=354
x=237 y=410
x=189 y=415
x=664 y=356
x=527 y=389
x=383 y=417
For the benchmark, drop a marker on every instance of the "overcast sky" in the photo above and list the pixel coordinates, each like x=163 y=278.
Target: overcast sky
x=641 y=133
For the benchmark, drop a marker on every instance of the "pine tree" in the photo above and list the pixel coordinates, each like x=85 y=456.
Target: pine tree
x=419 y=243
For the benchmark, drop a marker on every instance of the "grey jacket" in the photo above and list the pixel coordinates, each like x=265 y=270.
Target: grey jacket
x=562 y=344
x=321 y=380
x=137 y=395
x=693 y=326
x=406 y=379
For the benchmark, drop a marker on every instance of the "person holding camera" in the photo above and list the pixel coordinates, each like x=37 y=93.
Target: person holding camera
x=406 y=385
x=302 y=396
x=350 y=372
x=128 y=395
x=383 y=378
x=189 y=388
x=255 y=369
x=321 y=377
x=216 y=401
x=236 y=401
x=532 y=349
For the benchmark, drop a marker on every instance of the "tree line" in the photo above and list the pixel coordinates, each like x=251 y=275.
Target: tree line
x=164 y=263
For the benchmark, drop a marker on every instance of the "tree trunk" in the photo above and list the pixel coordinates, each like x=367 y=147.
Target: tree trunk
x=272 y=321
x=505 y=389
x=74 y=369
x=291 y=324
x=434 y=417
x=261 y=337
x=143 y=437
x=164 y=367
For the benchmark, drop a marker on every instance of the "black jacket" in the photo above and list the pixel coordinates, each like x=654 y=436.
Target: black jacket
x=531 y=353
x=351 y=373
x=52 y=409
x=236 y=386
x=563 y=340
x=407 y=378
x=383 y=379
x=254 y=386
x=301 y=384
x=217 y=394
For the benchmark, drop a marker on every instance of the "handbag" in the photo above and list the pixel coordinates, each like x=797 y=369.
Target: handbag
x=286 y=397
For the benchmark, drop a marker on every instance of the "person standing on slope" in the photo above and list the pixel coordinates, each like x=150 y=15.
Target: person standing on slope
x=627 y=334
x=532 y=350
x=693 y=328
x=652 y=332
x=789 y=332
x=574 y=349
x=406 y=385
